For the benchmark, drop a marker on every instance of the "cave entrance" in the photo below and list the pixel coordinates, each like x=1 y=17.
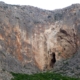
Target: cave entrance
x=53 y=60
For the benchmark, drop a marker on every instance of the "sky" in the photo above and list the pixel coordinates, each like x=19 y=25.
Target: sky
x=44 y=4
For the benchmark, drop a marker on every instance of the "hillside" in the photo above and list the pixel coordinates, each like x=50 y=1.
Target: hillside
x=34 y=40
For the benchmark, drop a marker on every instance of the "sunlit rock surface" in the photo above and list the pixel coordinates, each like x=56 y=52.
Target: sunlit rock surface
x=33 y=40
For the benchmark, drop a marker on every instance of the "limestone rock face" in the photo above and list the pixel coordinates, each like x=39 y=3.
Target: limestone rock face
x=32 y=39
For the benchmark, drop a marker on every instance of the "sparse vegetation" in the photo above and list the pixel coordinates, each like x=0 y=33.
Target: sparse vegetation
x=59 y=53
x=41 y=76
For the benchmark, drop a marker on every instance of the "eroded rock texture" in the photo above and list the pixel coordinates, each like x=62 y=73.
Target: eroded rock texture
x=32 y=39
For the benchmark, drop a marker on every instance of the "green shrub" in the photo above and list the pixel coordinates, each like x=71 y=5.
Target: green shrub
x=41 y=76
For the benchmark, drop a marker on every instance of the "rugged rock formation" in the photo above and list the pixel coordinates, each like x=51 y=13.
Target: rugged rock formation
x=32 y=39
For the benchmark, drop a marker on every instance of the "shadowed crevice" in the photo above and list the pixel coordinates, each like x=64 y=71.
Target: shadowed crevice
x=53 y=60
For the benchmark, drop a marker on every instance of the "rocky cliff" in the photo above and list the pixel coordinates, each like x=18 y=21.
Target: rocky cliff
x=32 y=39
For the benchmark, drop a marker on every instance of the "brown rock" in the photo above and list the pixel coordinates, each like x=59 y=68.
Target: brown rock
x=31 y=40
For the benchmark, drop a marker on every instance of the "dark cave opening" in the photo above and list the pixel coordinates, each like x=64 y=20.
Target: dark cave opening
x=53 y=60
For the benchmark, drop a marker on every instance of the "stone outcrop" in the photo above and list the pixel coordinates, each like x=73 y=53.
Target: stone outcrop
x=32 y=39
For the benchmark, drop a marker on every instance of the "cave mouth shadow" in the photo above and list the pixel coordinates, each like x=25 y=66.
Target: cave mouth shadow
x=53 y=59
